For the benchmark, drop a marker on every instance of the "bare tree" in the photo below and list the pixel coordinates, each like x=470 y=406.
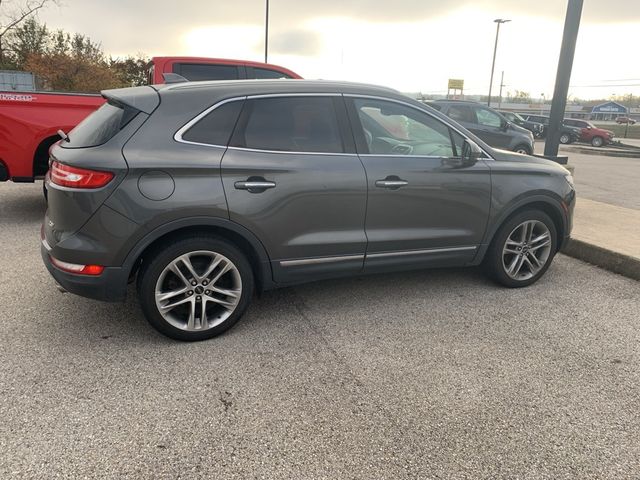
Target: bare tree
x=12 y=14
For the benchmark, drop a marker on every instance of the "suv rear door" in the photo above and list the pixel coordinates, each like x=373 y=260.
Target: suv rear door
x=291 y=176
x=424 y=207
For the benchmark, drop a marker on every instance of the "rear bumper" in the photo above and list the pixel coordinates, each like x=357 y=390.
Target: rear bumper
x=110 y=286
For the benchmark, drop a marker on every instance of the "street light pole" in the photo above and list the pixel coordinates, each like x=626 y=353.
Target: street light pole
x=498 y=21
x=266 y=32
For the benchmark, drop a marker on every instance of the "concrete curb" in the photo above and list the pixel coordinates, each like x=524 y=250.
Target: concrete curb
x=608 y=259
x=607 y=152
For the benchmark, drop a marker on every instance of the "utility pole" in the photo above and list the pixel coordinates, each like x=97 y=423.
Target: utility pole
x=565 y=64
x=498 y=21
x=626 y=128
x=500 y=94
x=266 y=32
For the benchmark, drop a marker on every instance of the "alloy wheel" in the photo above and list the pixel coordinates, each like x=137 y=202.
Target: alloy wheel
x=526 y=250
x=198 y=290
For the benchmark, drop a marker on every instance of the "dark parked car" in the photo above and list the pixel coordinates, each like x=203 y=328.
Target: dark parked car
x=534 y=127
x=590 y=133
x=487 y=124
x=204 y=192
x=567 y=134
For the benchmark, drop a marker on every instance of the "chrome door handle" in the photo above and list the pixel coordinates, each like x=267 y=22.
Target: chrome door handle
x=254 y=185
x=391 y=183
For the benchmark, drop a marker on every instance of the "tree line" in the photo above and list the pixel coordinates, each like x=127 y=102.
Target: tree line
x=64 y=61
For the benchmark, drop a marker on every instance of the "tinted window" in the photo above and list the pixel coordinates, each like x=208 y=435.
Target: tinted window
x=488 y=118
x=100 y=126
x=298 y=124
x=461 y=113
x=435 y=105
x=392 y=128
x=196 y=72
x=266 y=73
x=216 y=127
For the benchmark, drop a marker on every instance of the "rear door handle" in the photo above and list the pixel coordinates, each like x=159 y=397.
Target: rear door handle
x=392 y=183
x=254 y=185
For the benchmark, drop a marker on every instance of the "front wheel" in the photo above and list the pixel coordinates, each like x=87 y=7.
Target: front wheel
x=597 y=141
x=565 y=138
x=195 y=288
x=523 y=149
x=522 y=249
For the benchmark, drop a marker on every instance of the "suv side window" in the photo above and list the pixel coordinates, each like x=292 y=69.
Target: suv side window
x=395 y=129
x=196 y=72
x=294 y=124
x=216 y=127
x=461 y=113
x=488 y=118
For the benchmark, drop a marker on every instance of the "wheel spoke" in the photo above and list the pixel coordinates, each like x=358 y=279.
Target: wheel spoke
x=224 y=303
x=191 y=320
x=536 y=263
x=224 y=291
x=161 y=297
x=174 y=268
x=212 y=266
x=171 y=306
x=544 y=244
x=204 y=324
x=224 y=270
x=539 y=238
x=186 y=261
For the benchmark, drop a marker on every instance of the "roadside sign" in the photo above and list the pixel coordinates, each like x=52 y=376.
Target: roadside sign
x=456 y=84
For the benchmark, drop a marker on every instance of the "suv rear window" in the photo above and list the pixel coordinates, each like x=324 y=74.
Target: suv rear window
x=196 y=72
x=101 y=126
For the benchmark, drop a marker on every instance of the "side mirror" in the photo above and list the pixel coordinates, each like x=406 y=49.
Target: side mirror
x=505 y=125
x=471 y=153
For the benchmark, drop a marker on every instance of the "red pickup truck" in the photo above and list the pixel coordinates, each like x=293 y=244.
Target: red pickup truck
x=29 y=121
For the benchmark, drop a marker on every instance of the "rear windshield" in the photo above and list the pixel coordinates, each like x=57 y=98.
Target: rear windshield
x=100 y=126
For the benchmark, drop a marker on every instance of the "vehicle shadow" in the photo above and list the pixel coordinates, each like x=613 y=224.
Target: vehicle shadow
x=273 y=313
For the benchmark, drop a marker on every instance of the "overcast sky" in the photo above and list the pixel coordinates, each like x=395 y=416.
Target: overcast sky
x=411 y=45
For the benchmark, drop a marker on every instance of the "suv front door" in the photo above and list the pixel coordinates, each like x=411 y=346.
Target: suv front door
x=491 y=127
x=425 y=208
x=292 y=177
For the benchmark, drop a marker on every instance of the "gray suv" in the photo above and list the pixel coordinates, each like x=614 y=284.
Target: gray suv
x=488 y=124
x=202 y=193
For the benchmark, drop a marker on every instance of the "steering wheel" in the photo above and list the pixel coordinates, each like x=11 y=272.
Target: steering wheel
x=403 y=148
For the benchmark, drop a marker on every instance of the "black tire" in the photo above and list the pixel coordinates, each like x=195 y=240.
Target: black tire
x=156 y=262
x=565 y=138
x=524 y=149
x=597 y=141
x=493 y=261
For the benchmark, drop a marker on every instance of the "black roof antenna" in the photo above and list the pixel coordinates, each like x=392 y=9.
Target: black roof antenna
x=173 y=78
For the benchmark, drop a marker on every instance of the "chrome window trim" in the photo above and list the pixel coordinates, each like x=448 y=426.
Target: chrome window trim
x=291 y=152
x=387 y=99
x=420 y=252
x=319 y=260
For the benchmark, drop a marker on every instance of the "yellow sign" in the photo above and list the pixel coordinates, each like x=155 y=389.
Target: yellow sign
x=456 y=83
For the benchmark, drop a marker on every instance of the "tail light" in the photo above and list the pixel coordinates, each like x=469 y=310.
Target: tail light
x=74 y=177
x=76 y=268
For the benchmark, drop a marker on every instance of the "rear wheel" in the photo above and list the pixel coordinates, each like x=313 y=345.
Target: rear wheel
x=597 y=141
x=522 y=249
x=195 y=288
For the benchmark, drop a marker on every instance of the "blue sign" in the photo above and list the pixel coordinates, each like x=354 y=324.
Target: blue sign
x=609 y=107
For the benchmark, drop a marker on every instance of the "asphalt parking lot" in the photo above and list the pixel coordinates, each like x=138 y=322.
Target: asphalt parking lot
x=435 y=374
